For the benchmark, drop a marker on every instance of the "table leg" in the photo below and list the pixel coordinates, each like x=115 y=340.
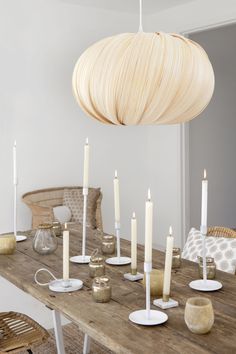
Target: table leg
x=86 y=348
x=58 y=332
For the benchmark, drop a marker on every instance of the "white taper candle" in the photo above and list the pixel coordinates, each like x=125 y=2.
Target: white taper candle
x=66 y=251
x=204 y=204
x=14 y=164
x=134 y=243
x=117 y=198
x=168 y=265
x=148 y=228
x=86 y=164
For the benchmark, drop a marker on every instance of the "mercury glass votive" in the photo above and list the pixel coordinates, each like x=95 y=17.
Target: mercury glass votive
x=108 y=244
x=101 y=289
x=176 y=258
x=210 y=265
x=96 y=266
x=7 y=243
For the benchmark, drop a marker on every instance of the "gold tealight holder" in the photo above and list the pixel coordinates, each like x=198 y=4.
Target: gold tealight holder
x=7 y=243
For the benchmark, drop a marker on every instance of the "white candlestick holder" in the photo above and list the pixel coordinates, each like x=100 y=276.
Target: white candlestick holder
x=148 y=317
x=205 y=284
x=165 y=303
x=118 y=260
x=133 y=275
x=19 y=238
x=83 y=259
x=59 y=285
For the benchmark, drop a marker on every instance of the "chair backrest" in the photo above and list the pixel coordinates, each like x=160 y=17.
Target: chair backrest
x=220 y=231
x=42 y=201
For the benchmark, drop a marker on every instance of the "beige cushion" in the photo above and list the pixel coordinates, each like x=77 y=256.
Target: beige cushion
x=222 y=249
x=74 y=199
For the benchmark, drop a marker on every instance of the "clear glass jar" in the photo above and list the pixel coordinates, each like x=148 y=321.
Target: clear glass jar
x=108 y=244
x=210 y=265
x=101 y=289
x=45 y=241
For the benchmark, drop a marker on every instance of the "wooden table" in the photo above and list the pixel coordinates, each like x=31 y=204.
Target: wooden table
x=109 y=323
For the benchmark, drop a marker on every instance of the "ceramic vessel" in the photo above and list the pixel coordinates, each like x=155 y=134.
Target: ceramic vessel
x=211 y=267
x=176 y=258
x=96 y=266
x=7 y=243
x=199 y=315
x=101 y=289
x=156 y=282
x=108 y=244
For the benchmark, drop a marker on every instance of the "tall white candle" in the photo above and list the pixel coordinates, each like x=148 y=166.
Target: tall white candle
x=168 y=265
x=204 y=203
x=66 y=250
x=86 y=164
x=148 y=228
x=116 y=198
x=134 y=243
x=14 y=164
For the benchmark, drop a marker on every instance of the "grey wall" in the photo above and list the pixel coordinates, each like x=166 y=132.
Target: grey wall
x=213 y=135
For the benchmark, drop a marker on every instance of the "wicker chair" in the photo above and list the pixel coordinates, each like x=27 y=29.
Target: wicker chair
x=19 y=332
x=42 y=201
x=220 y=231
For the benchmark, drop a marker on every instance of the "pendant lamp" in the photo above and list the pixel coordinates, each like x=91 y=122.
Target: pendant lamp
x=143 y=78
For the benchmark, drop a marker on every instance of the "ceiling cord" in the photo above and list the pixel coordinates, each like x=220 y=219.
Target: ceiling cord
x=140 y=16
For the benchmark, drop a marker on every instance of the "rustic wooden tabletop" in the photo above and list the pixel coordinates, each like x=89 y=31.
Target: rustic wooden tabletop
x=109 y=323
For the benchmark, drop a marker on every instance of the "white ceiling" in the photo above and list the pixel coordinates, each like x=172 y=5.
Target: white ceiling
x=131 y=6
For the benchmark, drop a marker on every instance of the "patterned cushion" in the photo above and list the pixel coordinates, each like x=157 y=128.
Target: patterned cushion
x=222 y=249
x=74 y=199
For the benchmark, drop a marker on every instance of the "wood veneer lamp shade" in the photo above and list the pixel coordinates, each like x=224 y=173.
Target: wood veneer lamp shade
x=143 y=78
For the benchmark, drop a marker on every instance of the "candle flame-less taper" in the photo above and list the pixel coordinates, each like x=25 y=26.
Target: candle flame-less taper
x=66 y=238
x=117 y=198
x=86 y=164
x=148 y=228
x=133 y=245
x=168 y=265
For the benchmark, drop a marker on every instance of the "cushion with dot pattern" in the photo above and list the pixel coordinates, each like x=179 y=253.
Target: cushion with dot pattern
x=74 y=200
x=222 y=249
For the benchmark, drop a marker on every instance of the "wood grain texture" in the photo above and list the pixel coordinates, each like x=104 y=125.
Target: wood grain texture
x=108 y=323
x=143 y=78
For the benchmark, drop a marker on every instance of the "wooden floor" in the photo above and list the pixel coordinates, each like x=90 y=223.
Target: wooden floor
x=109 y=323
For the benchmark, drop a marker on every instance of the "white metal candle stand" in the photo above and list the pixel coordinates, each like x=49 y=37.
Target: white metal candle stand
x=205 y=284
x=133 y=277
x=165 y=304
x=19 y=238
x=118 y=260
x=83 y=258
x=148 y=317
x=59 y=285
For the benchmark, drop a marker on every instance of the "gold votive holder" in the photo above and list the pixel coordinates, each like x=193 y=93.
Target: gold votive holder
x=101 y=289
x=96 y=266
x=165 y=297
x=7 y=243
x=156 y=282
x=210 y=265
x=108 y=244
x=176 y=258
x=56 y=225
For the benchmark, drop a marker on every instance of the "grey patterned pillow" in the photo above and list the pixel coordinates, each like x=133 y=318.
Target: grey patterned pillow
x=222 y=249
x=74 y=200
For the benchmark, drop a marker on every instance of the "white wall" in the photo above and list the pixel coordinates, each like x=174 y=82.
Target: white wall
x=212 y=138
